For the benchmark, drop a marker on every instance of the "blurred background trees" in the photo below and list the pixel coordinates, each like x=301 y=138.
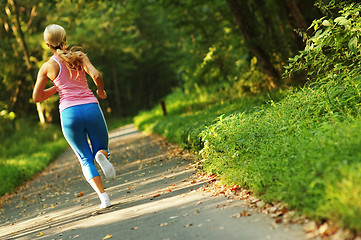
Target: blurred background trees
x=146 y=48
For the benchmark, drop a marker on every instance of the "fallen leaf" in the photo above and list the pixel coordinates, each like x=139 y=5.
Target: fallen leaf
x=188 y=225
x=80 y=194
x=163 y=224
x=108 y=236
x=272 y=209
x=157 y=195
x=260 y=204
x=40 y=234
x=134 y=228
x=245 y=213
x=242 y=214
x=279 y=220
x=310 y=227
x=327 y=229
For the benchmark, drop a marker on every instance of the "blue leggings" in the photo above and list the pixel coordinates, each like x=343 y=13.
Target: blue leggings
x=80 y=123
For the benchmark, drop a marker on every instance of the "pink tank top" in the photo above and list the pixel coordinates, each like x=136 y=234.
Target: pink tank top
x=73 y=89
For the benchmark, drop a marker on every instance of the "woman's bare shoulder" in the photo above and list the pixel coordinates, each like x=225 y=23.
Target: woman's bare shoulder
x=51 y=62
x=51 y=68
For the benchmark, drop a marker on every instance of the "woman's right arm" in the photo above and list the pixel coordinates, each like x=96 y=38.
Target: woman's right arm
x=95 y=75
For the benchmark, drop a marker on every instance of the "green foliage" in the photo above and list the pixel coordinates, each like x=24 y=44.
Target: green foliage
x=301 y=149
x=332 y=52
x=27 y=150
x=189 y=114
x=6 y=123
x=211 y=50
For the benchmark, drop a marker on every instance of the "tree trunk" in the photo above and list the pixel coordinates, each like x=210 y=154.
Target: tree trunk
x=298 y=19
x=13 y=15
x=16 y=28
x=241 y=15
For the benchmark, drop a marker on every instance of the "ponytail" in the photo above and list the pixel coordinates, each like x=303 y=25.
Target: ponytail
x=55 y=36
x=73 y=57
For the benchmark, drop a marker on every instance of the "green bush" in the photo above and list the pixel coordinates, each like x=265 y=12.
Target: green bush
x=332 y=52
x=301 y=150
x=304 y=149
x=26 y=150
x=189 y=114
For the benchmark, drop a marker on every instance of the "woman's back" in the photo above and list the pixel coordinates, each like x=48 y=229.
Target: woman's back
x=72 y=86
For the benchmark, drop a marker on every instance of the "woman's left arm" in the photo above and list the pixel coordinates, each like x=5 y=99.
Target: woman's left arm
x=40 y=93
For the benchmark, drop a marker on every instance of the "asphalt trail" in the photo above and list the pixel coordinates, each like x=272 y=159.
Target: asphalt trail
x=156 y=195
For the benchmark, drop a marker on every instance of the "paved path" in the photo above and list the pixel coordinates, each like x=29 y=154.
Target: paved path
x=155 y=196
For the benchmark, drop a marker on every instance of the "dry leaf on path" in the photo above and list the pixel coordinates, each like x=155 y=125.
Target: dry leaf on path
x=80 y=194
x=108 y=236
x=242 y=214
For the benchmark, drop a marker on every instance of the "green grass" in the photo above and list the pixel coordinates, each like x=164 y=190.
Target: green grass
x=302 y=148
x=189 y=115
x=27 y=151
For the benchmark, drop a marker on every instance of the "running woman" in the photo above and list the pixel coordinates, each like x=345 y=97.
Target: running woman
x=80 y=114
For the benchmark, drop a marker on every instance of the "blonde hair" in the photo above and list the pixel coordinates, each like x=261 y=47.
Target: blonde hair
x=55 y=36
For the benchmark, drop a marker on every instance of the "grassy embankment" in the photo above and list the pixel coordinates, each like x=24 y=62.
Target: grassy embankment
x=29 y=148
x=301 y=148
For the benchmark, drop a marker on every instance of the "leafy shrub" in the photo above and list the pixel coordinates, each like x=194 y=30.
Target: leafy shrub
x=6 y=122
x=298 y=151
x=189 y=114
x=304 y=149
x=332 y=53
x=26 y=150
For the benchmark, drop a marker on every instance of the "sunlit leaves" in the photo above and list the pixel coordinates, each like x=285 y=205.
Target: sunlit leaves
x=342 y=21
x=334 y=42
x=326 y=23
x=353 y=44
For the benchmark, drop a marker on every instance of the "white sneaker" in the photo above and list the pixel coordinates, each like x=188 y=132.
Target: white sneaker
x=105 y=205
x=105 y=165
x=105 y=201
